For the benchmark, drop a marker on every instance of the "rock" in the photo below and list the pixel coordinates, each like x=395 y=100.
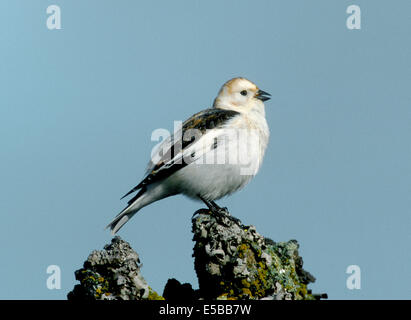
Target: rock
x=174 y=291
x=112 y=274
x=232 y=262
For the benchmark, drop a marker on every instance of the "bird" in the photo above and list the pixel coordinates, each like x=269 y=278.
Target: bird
x=216 y=152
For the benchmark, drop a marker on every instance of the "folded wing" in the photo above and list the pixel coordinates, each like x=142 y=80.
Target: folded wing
x=187 y=145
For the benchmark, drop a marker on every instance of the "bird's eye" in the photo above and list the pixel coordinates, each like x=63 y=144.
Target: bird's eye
x=243 y=93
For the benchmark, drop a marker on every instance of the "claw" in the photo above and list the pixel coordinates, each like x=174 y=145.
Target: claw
x=200 y=211
x=218 y=212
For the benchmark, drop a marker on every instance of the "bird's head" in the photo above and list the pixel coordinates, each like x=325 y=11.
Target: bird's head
x=241 y=95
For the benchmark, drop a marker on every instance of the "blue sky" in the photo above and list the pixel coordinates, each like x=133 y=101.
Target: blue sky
x=78 y=106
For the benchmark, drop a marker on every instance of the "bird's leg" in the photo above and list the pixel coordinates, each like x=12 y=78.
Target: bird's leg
x=218 y=211
x=223 y=210
x=201 y=211
x=211 y=205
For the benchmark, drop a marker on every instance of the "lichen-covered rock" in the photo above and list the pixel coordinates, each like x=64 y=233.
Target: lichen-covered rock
x=234 y=261
x=112 y=274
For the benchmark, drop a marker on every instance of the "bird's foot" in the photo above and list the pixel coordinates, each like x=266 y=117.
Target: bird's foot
x=223 y=213
x=218 y=212
x=201 y=211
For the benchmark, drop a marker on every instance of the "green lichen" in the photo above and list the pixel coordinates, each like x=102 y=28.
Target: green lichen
x=152 y=295
x=256 y=269
x=98 y=285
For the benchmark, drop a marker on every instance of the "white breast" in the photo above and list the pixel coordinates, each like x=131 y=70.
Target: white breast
x=225 y=169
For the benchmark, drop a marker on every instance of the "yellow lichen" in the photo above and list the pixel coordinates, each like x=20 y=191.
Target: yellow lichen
x=245 y=283
x=247 y=292
x=152 y=295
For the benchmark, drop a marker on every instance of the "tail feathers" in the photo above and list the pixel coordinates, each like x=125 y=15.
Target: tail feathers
x=125 y=215
x=120 y=221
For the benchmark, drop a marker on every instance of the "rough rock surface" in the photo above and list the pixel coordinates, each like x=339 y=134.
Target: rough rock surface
x=112 y=274
x=232 y=261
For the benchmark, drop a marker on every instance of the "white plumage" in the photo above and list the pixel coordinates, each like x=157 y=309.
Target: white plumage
x=216 y=153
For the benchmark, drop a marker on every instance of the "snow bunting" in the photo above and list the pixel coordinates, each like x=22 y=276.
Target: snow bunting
x=216 y=152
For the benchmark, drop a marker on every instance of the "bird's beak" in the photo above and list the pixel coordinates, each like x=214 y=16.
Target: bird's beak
x=262 y=95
